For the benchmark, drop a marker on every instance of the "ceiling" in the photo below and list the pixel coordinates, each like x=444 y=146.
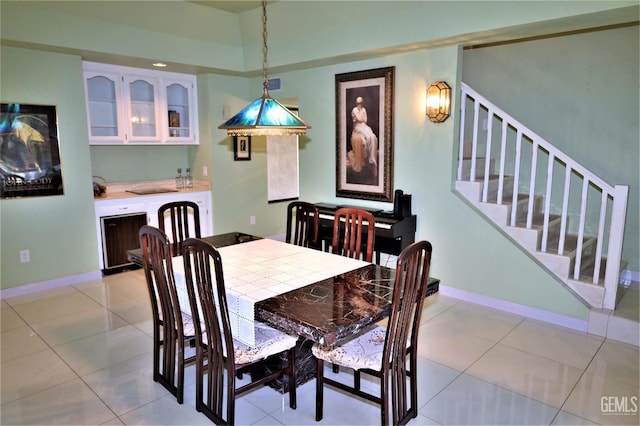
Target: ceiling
x=235 y=6
x=195 y=25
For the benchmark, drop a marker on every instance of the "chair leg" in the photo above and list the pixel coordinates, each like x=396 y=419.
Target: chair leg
x=335 y=368
x=292 y=378
x=356 y=379
x=180 y=387
x=384 y=400
x=156 y=358
x=199 y=379
x=319 y=389
x=413 y=383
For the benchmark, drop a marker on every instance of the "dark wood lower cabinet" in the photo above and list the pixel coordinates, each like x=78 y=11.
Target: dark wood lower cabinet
x=119 y=234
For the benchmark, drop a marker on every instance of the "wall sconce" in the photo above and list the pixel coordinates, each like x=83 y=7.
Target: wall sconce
x=438 y=102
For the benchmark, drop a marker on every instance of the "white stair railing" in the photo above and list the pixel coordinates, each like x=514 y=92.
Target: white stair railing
x=597 y=210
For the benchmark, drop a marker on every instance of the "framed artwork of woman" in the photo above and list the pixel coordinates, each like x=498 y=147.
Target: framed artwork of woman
x=364 y=134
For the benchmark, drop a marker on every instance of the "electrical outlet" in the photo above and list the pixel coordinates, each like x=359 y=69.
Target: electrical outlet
x=205 y=171
x=25 y=256
x=252 y=220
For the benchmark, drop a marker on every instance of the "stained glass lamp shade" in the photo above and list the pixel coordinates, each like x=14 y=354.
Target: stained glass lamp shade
x=264 y=117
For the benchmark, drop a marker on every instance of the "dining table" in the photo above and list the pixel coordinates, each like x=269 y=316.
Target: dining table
x=321 y=297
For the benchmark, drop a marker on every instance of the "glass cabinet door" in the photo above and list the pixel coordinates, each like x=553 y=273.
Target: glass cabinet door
x=180 y=123
x=103 y=97
x=143 y=99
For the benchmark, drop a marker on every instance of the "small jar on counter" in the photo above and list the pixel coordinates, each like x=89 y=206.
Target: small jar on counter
x=188 y=180
x=179 y=179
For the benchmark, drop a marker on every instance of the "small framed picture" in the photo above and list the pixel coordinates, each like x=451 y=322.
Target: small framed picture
x=242 y=148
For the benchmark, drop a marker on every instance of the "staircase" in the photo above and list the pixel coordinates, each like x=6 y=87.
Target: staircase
x=566 y=218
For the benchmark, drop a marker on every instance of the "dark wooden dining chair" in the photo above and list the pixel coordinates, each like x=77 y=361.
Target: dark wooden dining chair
x=348 y=226
x=387 y=353
x=177 y=215
x=302 y=224
x=171 y=327
x=218 y=356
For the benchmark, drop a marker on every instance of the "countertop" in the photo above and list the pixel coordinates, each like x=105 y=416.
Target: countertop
x=118 y=190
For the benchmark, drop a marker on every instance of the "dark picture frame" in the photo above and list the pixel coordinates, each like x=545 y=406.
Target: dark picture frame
x=242 y=148
x=30 y=163
x=364 y=170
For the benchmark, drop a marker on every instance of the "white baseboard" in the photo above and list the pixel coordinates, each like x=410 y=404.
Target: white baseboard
x=49 y=284
x=517 y=309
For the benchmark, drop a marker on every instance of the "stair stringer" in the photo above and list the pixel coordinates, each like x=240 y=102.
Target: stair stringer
x=528 y=240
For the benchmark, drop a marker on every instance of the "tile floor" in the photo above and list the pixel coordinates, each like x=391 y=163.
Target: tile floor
x=82 y=355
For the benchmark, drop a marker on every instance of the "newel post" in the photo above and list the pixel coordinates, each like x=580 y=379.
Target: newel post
x=614 y=251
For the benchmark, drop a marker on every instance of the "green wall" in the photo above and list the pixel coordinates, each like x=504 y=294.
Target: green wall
x=58 y=230
x=123 y=163
x=468 y=253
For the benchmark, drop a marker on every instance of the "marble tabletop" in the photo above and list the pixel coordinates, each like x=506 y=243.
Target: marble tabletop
x=331 y=310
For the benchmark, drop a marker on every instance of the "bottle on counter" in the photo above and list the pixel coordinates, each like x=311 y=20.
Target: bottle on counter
x=179 y=179
x=188 y=180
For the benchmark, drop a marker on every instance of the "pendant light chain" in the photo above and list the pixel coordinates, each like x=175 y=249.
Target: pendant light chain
x=265 y=81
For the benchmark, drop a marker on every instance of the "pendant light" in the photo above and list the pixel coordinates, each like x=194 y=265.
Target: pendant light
x=265 y=116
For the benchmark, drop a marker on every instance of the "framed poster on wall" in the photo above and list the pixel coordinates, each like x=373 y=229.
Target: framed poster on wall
x=29 y=152
x=364 y=134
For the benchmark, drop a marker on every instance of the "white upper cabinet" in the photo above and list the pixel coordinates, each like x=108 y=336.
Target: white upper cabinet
x=180 y=112
x=106 y=117
x=140 y=107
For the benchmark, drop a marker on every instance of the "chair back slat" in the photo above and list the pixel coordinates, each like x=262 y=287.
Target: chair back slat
x=302 y=224
x=349 y=225
x=177 y=213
